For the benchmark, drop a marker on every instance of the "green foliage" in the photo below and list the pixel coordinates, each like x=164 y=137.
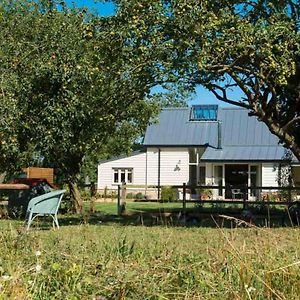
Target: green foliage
x=206 y=193
x=168 y=193
x=139 y=196
x=109 y=194
x=130 y=196
x=68 y=88
x=223 y=45
x=108 y=261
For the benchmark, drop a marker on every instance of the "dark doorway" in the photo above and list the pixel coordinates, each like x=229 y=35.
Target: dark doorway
x=236 y=177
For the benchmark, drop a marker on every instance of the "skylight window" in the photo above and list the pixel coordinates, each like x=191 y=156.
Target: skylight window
x=204 y=113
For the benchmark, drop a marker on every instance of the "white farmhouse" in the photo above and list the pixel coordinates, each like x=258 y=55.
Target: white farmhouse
x=201 y=145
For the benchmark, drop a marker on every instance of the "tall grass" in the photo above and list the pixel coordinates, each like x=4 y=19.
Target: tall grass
x=136 y=262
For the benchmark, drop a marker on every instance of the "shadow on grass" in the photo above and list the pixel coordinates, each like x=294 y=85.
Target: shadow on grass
x=193 y=217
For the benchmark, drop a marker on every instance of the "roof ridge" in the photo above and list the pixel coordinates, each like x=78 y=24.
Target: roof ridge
x=233 y=108
x=175 y=108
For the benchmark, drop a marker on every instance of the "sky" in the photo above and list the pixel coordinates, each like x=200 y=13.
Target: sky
x=202 y=95
x=103 y=9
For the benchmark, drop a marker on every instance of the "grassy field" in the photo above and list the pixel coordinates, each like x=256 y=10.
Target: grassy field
x=101 y=258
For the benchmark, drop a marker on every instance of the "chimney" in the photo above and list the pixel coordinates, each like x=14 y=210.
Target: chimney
x=219 y=135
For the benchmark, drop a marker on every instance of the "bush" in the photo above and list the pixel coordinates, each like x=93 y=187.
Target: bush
x=168 y=193
x=85 y=194
x=130 y=196
x=139 y=196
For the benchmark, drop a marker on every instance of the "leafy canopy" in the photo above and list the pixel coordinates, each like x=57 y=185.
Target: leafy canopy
x=249 y=45
x=68 y=83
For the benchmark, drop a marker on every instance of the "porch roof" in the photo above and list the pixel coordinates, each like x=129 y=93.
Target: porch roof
x=245 y=153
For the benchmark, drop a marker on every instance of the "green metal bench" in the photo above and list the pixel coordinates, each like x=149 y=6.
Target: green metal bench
x=44 y=205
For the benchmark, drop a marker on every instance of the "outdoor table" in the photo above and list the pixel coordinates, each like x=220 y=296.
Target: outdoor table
x=14 y=186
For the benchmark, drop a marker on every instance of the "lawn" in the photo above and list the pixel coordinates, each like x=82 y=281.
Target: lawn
x=102 y=258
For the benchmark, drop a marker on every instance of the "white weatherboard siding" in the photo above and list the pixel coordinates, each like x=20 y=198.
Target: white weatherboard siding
x=135 y=162
x=269 y=174
x=174 y=166
x=152 y=167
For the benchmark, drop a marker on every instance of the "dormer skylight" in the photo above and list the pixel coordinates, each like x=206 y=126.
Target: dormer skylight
x=204 y=112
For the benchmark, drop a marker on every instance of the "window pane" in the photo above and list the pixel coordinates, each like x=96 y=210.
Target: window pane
x=116 y=176
x=204 y=112
x=123 y=175
x=129 y=176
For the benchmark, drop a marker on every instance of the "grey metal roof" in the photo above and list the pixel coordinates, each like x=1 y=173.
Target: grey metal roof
x=243 y=138
x=175 y=129
x=244 y=153
x=238 y=129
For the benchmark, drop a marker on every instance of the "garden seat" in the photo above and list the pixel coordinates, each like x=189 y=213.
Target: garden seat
x=44 y=205
x=237 y=194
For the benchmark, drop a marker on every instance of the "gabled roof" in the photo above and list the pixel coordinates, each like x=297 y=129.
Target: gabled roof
x=174 y=128
x=243 y=138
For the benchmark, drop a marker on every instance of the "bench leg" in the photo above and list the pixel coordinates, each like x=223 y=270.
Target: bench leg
x=30 y=219
x=55 y=221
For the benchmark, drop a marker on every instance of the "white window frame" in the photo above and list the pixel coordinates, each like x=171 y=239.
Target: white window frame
x=127 y=171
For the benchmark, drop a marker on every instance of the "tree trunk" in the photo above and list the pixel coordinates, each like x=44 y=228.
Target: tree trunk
x=75 y=197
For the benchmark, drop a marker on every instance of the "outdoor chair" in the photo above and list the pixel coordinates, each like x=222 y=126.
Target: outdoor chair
x=237 y=194
x=44 y=205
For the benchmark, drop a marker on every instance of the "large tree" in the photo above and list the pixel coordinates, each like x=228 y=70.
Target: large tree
x=224 y=45
x=67 y=85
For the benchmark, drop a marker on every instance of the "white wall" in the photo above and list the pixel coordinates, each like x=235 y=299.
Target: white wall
x=174 y=166
x=152 y=166
x=170 y=158
x=145 y=168
x=137 y=162
x=269 y=174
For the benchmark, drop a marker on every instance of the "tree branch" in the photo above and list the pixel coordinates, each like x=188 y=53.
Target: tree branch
x=241 y=85
x=288 y=124
x=212 y=87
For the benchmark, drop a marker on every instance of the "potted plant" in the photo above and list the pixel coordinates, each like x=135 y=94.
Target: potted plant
x=205 y=194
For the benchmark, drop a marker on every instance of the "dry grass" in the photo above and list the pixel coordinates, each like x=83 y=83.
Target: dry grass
x=136 y=262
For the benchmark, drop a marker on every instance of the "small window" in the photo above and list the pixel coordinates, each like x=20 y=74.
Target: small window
x=129 y=176
x=116 y=176
x=204 y=113
x=122 y=176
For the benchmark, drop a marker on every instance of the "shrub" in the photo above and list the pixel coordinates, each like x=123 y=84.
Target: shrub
x=140 y=196
x=130 y=196
x=85 y=194
x=168 y=193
